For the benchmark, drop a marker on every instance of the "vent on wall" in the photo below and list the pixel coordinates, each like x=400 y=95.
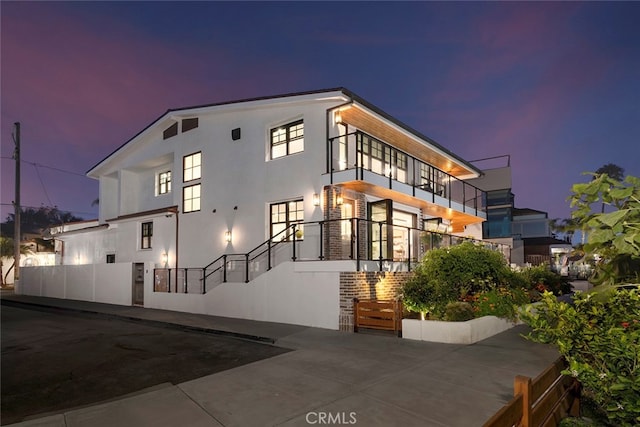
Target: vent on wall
x=235 y=134
x=170 y=131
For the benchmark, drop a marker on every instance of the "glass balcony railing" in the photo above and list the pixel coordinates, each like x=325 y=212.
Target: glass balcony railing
x=359 y=152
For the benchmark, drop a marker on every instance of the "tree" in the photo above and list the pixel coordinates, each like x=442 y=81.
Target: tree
x=566 y=226
x=6 y=251
x=38 y=219
x=614 y=236
x=613 y=171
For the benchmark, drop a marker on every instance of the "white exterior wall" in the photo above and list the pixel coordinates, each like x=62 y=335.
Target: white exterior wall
x=234 y=174
x=289 y=293
x=285 y=294
x=106 y=283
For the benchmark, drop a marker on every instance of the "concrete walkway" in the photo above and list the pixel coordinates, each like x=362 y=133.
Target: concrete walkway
x=333 y=377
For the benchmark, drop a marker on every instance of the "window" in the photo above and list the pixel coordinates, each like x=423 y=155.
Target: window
x=283 y=215
x=188 y=124
x=192 y=167
x=432 y=180
x=164 y=182
x=147 y=232
x=111 y=258
x=191 y=198
x=170 y=131
x=287 y=139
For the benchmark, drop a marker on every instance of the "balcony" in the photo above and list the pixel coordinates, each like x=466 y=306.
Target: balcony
x=361 y=162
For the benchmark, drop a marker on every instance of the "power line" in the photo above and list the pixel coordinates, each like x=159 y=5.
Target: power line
x=46 y=166
x=44 y=188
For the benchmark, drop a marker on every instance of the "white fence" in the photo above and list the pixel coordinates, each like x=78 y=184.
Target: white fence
x=300 y=293
x=106 y=283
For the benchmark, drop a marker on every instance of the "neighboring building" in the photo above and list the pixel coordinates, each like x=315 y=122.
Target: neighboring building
x=526 y=231
x=226 y=192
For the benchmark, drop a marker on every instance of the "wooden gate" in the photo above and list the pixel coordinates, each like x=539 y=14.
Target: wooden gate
x=374 y=314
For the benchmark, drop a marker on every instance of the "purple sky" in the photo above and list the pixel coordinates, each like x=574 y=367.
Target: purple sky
x=554 y=85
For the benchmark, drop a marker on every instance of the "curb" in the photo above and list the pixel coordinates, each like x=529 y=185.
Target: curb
x=151 y=322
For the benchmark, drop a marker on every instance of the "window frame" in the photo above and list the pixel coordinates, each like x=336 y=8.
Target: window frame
x=167 y=183
x=191 y=168
x=288 y=139
x=288 y=220
x=191 y=199
x=146 y=235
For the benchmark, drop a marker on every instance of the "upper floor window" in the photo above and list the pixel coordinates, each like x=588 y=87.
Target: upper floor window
x=283 y=216
x=164 y=182
x=191 y=198
x=192 y=167
x=147 y=232
x=287 y=139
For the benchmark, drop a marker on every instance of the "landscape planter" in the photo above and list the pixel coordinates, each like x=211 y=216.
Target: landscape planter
x=468 y=332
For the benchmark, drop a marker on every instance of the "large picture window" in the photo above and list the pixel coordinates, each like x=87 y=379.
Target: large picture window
x=147 y=233
x=192 y=167
x=285 y=214
x=164 y=182
x=191 y=198
x=287 y=139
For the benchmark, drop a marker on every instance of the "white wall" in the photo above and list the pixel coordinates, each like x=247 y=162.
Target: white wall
x=289 y=293
x=285 y=294
x=239 y=180
x=106 y=283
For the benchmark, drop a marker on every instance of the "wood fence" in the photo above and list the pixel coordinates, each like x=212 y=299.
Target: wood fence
x=543 y=401
x=373 y=314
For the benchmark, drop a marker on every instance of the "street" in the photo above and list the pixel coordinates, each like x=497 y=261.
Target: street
x=54 y=360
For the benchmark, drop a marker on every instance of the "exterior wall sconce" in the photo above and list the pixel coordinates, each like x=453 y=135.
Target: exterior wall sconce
x=316 y=199
x=337 y=118
x=339 y=200
x=165 y=259
x=227 y=236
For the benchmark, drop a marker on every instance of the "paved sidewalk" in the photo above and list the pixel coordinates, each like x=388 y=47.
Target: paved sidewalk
x=364 y=379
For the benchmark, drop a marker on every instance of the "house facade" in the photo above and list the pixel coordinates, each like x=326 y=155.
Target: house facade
x=317 y=189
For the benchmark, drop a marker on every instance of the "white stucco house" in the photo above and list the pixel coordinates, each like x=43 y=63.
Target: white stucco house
x=279 y=208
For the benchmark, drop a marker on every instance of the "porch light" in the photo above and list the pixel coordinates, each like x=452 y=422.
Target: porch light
x=316 y=199
x=337 y=118
x=165 y=259
x=339 y=200
x=227 y=236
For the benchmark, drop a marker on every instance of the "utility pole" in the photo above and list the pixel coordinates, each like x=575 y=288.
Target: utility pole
x=16 y=205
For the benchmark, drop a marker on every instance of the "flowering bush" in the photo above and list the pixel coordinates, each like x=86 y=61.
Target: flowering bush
x=464 y=273
x=540 y=279
x=500 y=302
x=600 y=338
x=449 y=274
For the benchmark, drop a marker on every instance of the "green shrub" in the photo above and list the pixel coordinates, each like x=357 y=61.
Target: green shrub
x=600 y=338
x=541 y=279
x=452 y=274
x=418 y=295
x=458 y=311
x=500 y=302
x=467 y=268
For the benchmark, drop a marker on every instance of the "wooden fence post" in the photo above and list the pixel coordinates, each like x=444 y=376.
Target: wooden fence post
x=522 y=385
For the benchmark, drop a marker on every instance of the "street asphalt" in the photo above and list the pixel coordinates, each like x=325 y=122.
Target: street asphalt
x=330 y=377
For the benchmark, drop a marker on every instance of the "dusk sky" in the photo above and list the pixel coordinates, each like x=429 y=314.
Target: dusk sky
x=554 y=85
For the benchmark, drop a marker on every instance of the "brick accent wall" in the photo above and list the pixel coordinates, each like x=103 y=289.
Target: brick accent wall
x=383 y=285
x=334 y=247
